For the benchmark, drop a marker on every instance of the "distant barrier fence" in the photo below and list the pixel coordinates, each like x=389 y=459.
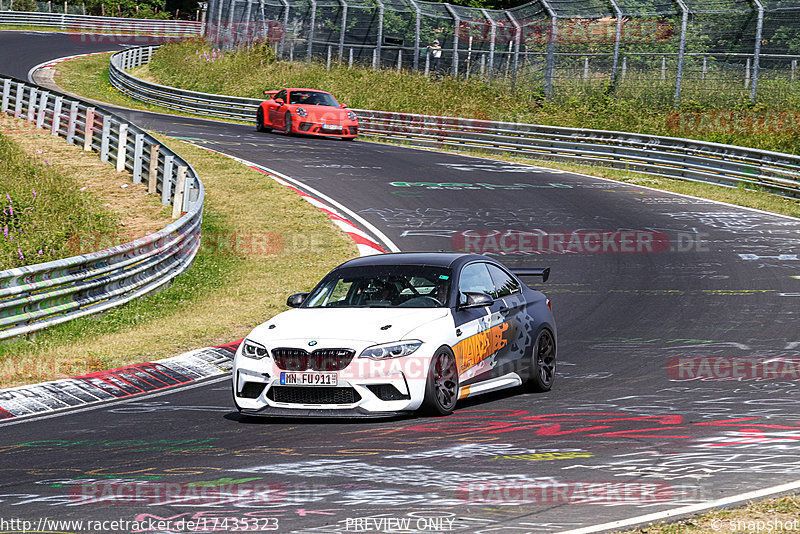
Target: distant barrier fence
x=699 y=46
x=671 y=157
x=38 y=296
x=107 y=25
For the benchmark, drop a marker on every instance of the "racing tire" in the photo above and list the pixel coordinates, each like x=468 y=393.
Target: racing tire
x=260 y=121
x=441 y=386
x=287 y=124
x=542 y=370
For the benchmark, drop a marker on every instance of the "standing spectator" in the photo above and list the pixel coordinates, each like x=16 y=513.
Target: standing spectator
x=436 y=55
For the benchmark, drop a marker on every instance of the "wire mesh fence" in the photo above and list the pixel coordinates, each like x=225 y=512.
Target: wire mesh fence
x=658 y=51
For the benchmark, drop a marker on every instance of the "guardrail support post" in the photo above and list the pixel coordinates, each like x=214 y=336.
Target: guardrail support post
x=138 y=149
x=88 y=130
x=122 y=148
x=105 y=139
x=180 y=186
x=40 y=116
x=152 y=177
x=166 y=180
x=32 y=104
x=72 y=124
x=6 y=95
x=55 y=124
x=18 y=100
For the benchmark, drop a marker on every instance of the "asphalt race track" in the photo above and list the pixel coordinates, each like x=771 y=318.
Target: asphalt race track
x=658 y=404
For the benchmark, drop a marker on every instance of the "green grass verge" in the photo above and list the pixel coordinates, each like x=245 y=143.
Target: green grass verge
x=41 y=209
x=296 y=75
x=233 y=285
x=775 y=516
x=89 y=77
x=192 y=64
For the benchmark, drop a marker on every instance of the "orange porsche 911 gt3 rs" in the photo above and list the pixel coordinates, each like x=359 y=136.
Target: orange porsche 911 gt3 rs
x=306 y=111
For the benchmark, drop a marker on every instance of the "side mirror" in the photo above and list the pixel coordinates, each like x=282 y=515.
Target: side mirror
x=343 y=106
x=279 y=101
x=296 y=300
x=476 y=300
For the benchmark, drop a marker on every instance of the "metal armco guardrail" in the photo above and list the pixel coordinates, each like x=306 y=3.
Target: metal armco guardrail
x=108 y=25
x=37 y=296
x=671 y=157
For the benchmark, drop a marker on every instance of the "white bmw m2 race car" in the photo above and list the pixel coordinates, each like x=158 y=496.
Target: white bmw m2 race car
x=395 y=333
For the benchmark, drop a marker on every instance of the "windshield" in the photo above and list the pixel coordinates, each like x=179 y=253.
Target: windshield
x=383 y=286
x=312 y=98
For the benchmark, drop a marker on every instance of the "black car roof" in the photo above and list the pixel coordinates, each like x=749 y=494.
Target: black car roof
x=434 y=259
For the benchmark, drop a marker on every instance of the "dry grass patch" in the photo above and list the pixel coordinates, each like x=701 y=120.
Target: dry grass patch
x=138 y=214
x=771 y=515
x=261 y=243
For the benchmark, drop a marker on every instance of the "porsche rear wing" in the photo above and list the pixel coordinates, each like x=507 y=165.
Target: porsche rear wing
x=544 y=273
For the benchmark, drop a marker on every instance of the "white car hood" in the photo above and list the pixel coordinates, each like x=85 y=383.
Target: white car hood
x=357 y=324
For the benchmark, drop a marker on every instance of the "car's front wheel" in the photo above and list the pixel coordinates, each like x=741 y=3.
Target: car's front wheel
x=441 y=388
x=287 y=124
x=543 y=362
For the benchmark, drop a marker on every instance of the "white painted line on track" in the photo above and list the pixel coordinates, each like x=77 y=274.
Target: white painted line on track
x=687 y=510
x=107 y=403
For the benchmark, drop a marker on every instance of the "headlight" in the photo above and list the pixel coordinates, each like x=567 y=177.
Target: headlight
x=254 y=350
x=352 y=116
x=302 y=113
x=391 y=350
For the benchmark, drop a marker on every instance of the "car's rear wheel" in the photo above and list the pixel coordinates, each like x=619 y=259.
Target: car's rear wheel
x=287 y=123
x=260 y=121
x=441 y=388
x=543 y=362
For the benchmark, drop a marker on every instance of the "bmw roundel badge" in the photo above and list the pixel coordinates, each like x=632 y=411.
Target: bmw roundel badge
x=312 y=343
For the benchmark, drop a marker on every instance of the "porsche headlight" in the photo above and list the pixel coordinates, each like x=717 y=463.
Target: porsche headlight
x=302 y=112
x=352 y=116
x=254 y=350
x=391 y=350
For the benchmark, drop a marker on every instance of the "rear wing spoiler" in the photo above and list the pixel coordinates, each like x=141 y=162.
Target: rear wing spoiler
x=544 y=273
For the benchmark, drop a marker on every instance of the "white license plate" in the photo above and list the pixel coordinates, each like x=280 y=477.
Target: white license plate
x=331 y=128
x=308 y=379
